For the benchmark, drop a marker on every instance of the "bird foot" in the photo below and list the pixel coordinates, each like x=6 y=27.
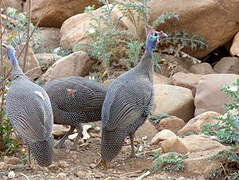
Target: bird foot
x=102 y=163
x=60 y=145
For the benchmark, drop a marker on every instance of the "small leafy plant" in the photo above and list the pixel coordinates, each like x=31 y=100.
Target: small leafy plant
x=229 y=160
x=168 y=162
x=115 y=49
x=227 y=127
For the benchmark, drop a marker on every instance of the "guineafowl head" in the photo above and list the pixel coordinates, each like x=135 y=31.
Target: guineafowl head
x=11 y=53
x=153 y=37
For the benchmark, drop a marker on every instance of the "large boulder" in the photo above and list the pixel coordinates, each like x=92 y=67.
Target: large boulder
x=227 y=65
x=47 y=59
x=234 y=50
x=146 y=130
x=173 y=100
x=187 y=80
x=76 y=64
x=160 y=79
x=48 y=39
x=202 y=68
x=171 y=123
x=74 y=30
x=189 y=144
x=52 y=13
x=209 y=96
x=195 y=125
x=200 y=17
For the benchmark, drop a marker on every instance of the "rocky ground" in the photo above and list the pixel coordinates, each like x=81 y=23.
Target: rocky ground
x=72 y=163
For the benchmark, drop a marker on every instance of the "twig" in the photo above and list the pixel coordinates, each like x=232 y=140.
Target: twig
x=25 y=176
x=143 y=175
x=28 y=35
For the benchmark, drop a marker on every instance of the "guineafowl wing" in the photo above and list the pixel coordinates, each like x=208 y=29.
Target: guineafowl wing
x=126 y=102
x=74 y=94
x=29 y=110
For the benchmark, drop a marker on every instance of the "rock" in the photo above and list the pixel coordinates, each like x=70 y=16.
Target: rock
x=3 y=165
x=234 y=50
x=171 y=123
x=162 y=135
x=147 y=129
x=195 y=125
x=74 y=30
x=61 y=175
x=52 y=13
x=173 y=100
x=189 y=144
x=47 y=59
x=209 y=96
x=11 y=175
x=200 y=163
x=16 y=4
x=202 y=68
x=12 y=160
x=59 y=130
x=160 y=79
x=227 y=65
x=206 y=14
x=62 y=164
x=49 y=39
x=76 y=64
x=187 y=80
x=32 y=68
x=81 y=174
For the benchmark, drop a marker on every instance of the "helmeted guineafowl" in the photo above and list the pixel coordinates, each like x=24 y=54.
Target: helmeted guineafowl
x=75 y=100
x=29 y=110
x=128 y=102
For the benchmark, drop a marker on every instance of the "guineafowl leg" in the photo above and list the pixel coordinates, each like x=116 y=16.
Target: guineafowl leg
x=102 y=163
x=29 y=156
x=79 y=131
x=132 y=155
x=62 y=140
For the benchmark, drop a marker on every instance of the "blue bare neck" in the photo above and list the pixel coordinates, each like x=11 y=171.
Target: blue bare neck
x=150 y=46
x=12 y=57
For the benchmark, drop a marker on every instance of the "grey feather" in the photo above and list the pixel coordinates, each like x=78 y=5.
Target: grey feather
x=75 y=100
x=29 y=110
x=128 y=102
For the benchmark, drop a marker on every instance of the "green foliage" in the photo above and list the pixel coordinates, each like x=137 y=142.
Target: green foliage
x=63 y=52
x=229 y=160
x=168 y=162
x=17 y=24
x=184 y=39
x=164 y=17
x=158 y=118
x=8 y=144
x=226 y=129
x=114 y=49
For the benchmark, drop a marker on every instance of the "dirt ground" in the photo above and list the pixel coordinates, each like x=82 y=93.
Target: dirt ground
x=78 y=162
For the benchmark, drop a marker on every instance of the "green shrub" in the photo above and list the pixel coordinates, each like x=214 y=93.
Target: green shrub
x=168 y=162
x=115 y=50
x=227 y=127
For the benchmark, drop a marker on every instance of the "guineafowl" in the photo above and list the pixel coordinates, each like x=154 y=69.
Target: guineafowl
x=75 y=100
x=128 y=102
x=29 y=110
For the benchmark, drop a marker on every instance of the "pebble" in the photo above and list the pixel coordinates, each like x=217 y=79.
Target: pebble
x=2 y=165
x=12 y=160
x=81 y=174
x=11 y=175
x=61 y=175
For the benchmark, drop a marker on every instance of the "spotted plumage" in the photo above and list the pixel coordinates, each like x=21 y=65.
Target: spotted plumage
x=29 y=110
x=75 y=100
x=128 y=102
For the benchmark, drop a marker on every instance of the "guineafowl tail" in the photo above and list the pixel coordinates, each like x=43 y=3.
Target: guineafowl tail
x=112 y=142
x=42 y=151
